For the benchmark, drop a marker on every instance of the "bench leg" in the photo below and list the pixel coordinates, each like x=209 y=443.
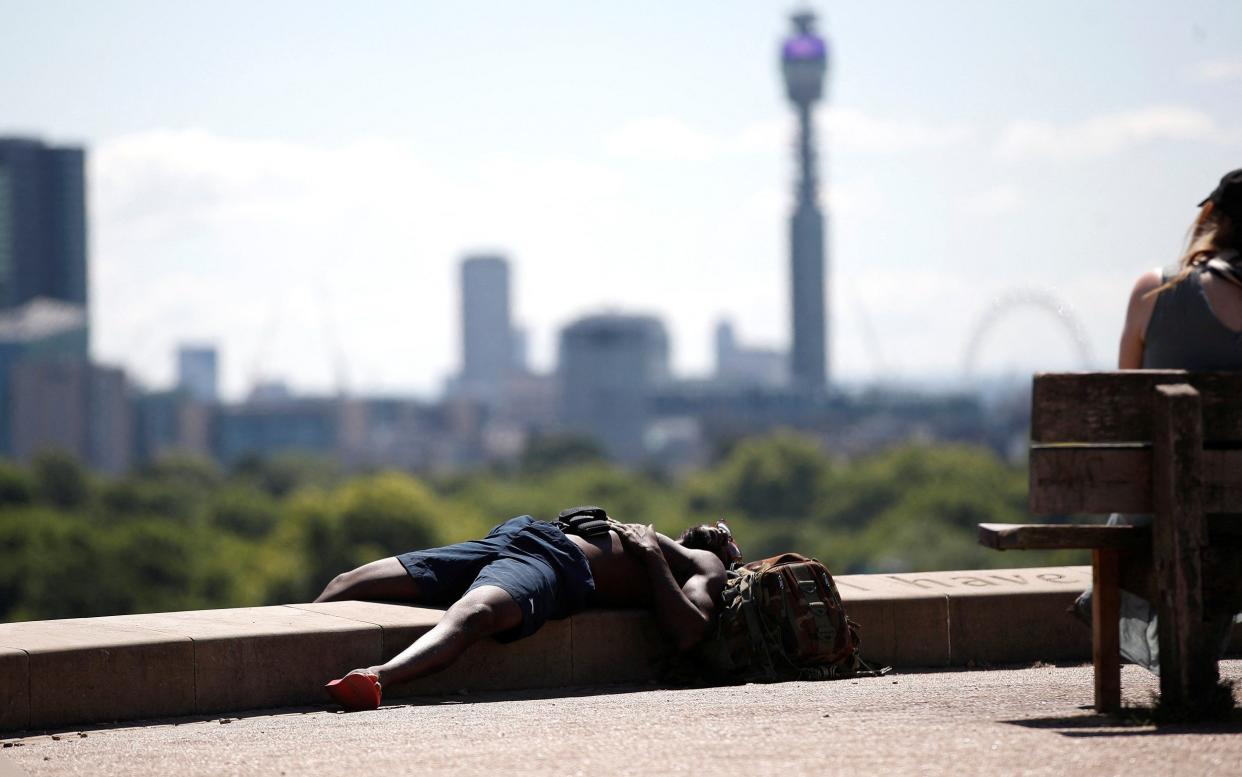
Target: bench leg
x=1188 y=672
x=1106 y=628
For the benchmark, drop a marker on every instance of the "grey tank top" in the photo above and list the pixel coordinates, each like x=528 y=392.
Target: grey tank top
x=1185 y=334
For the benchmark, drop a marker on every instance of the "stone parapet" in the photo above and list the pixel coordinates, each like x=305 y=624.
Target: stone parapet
x=969 y=618
x=56 y=674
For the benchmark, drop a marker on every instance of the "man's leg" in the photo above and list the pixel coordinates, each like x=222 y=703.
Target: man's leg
x=482 y=612
x=384 y=580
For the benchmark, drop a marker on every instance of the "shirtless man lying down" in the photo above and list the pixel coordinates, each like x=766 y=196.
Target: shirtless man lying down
x=525 y=572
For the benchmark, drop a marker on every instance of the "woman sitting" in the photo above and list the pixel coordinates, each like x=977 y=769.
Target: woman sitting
x=1188 y=317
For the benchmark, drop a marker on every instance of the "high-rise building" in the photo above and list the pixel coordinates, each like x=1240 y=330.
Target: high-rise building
x=40 y=330
x=42 y=223
x=609 y=366
x=741 y=365
x=72 y=406
x=168 y=422
x=487 y=335
x=804 y=59
x=266 y=427
x=197 y=373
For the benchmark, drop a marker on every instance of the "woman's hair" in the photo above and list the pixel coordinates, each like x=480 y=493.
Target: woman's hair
x=1214 y=232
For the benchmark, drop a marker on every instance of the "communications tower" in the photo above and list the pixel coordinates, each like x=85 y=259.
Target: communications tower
x=804 y=59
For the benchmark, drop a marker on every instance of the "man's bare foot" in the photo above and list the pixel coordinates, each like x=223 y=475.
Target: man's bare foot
x=358 y=690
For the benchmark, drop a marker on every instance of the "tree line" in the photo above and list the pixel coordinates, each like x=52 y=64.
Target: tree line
x=184 y=534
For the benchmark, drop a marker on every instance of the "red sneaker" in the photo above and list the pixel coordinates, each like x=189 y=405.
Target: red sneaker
x=356 y=691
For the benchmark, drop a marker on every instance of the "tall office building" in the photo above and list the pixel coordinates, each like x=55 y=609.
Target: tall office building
x=38 y=331
x=487 y=334
x=72 y=406
x=42 y=223
x=804 y=59
x=266 y=427
x=741 y=365
x=609 y=366
x=197 y=373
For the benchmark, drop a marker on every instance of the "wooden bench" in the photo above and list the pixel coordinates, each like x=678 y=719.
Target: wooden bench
x=1163 y=442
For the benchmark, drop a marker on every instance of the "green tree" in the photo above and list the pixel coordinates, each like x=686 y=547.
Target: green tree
x=243 y=510
x=324 y=533
x=17 y=487
x=391 y=512
x=188 y=471
x=780 y=476
x=285 y=473
x=60 y=480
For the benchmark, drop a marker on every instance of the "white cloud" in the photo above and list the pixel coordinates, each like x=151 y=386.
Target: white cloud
x=666 y=139
x=1219 y=70
x=286 y=253
x=994 y=201
x=932 y=322
x=1104 y=135
x=184 y=180
x=846 y=129
x=855 y=130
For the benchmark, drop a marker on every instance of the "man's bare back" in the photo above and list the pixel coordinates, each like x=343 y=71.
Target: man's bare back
x=621 y=578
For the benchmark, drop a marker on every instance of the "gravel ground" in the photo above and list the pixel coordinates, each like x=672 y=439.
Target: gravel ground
x=1002 y=721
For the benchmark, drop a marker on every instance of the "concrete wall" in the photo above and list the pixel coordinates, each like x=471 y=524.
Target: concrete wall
x=56 y=674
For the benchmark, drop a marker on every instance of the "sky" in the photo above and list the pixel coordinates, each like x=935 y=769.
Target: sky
x=296 y=182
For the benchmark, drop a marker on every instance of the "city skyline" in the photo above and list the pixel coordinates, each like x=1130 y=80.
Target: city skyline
x=309 y=188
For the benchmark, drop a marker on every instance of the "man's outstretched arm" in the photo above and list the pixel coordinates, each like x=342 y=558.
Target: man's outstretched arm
x=683 y=614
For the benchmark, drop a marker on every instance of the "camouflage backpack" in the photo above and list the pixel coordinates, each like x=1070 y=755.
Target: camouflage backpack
x=782 y=619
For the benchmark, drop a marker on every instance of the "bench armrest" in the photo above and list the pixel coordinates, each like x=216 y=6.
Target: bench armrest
x=1044 y=536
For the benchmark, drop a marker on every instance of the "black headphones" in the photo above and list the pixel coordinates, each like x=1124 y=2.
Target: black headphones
x=585 y=521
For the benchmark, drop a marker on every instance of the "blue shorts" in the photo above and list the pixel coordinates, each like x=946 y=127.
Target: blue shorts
x=533 y=561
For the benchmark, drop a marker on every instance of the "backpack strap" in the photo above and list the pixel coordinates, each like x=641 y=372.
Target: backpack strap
x=1224 y=270
x=804 y=575
x=746 y=593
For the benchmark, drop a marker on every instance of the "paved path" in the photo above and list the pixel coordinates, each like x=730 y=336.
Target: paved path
x=1013 y=721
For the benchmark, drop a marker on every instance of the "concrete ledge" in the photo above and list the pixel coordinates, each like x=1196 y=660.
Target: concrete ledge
x=96 y=670
x=967 y=618
x=14 y=689
x=88 y=670
x=262 y=656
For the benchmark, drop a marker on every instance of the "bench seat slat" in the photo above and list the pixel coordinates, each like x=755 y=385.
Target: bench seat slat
x=1045 y=536
x=1106 y=407
x=1101 y=479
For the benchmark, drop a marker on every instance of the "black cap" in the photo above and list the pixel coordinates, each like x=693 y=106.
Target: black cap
x=1227 y=197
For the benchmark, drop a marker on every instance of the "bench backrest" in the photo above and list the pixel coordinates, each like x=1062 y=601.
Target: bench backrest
x=1092 y=433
